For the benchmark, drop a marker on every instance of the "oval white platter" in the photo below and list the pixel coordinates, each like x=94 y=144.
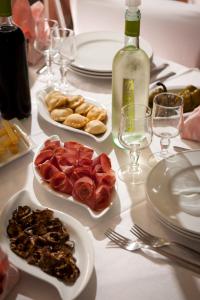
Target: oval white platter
x=64 y=196
x=25 y=144
x=84 y=252
x=43 y=111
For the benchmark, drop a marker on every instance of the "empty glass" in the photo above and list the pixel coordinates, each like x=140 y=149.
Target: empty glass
x=65 y=48
x=43 y=44
x=167 y=115
x=135 y=134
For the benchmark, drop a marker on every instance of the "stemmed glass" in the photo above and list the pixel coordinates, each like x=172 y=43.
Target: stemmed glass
x=135 y=134
x=43 y=44
x=65 y=48
x=167 y=116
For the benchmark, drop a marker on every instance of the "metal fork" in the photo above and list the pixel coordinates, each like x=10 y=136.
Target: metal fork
x=157 y=242
x=132 y=246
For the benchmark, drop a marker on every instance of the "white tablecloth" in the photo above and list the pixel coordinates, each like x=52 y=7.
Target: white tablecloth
x=117 y=274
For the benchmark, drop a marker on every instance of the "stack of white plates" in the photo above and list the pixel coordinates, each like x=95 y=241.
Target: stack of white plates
x=167 y=189
x=96 y=50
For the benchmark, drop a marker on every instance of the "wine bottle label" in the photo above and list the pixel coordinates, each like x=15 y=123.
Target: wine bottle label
x=128 y=91
x=128 y=99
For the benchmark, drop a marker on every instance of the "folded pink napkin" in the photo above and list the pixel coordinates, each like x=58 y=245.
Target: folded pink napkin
x=37 y=11
x=191 y=126
x=22 y=16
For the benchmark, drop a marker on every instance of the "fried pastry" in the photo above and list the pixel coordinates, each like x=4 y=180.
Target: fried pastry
x=95 y=127
x=75 y=101
x=76 y=121
x=60 y=114
x=83 y=108
x=97 y=113
x=56 y=102
x=51 y=95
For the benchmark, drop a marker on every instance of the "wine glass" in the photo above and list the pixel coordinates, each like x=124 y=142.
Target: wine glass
x=65 y=48
x=167 y=116
x=43 y=44
x=135 y=134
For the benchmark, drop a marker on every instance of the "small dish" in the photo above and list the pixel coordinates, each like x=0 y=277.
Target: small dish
x=42 y=108
x=84 y=252
x=25 y=145
x=64 y=196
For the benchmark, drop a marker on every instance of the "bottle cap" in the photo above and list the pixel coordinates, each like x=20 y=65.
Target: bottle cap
x=133 y=3
x=5 y=8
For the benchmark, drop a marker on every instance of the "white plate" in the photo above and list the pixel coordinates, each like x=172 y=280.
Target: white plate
x=96 y=50
x=64 y=196
x=91 y=74
x=43 y=111
x=180 y=171
x=25 y=145
x=84 y=252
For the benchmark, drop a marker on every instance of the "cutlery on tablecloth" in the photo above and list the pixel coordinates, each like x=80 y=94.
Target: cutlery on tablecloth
x=180 y=149
x=132 y=246
x=157 y=242
x=156 y=69
x=154 y=81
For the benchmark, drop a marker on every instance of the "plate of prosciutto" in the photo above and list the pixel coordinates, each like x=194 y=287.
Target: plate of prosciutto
x=75 y=173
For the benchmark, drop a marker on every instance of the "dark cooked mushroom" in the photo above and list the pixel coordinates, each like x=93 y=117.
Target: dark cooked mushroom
x=44 y=242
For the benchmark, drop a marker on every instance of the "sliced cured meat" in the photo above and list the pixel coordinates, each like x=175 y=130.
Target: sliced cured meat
x=43 y=156
x=105 y=162
x=85 y=152
x=84 y=190
x=73 y=145
x=97 y=169
x=60 y=151
x=47 y=170
x=50 y=144
x=107 y=178
x=102 y=197
x=79 y=172
x=70 y=169
x=61 y=183
x=84 y=162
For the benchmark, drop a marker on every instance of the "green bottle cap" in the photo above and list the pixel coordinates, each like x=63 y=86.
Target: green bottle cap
x=132 y=28
x=5 y=8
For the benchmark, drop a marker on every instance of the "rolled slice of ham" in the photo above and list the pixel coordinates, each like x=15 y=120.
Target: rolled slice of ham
x=102 y=163
x=102 y=197
x=105 y=162
x=107 y=178
x=73 y=145
x=47 y=170
x=60 y=151
x=85 y=153
x=61 y=183
x=51 y=144
x=66 y=162
x=84 y=191
x=43 y=156
x=79 y=172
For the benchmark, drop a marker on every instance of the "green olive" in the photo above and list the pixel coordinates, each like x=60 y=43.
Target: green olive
x=196 y=97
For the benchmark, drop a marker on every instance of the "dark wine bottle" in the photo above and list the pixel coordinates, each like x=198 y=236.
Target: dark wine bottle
x=15 y=101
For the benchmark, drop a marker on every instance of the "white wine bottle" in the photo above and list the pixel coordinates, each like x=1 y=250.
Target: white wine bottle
x=130 y=69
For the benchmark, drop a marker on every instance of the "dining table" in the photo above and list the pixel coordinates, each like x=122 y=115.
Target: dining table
x=117 y=274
